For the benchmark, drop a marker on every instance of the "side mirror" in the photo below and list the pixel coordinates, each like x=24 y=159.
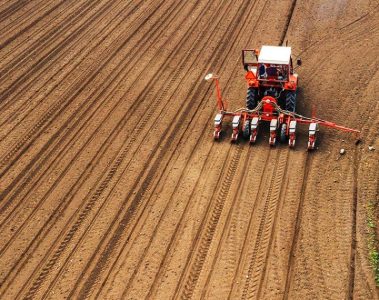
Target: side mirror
x=299 y=62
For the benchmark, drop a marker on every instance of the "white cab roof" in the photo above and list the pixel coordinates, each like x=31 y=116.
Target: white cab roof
x=274 y=55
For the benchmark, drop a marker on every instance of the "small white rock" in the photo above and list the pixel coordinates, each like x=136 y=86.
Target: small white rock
x=371 y=148
x=342 y=151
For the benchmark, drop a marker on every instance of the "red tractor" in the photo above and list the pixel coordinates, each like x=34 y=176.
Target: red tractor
x=271 y=97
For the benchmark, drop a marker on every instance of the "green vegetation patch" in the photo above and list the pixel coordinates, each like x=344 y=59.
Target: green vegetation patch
x=372 y=241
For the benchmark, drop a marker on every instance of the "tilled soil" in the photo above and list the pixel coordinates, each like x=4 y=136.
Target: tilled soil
x=112 y=186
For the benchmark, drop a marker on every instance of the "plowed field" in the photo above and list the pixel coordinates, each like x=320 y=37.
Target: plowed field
x=111 y=185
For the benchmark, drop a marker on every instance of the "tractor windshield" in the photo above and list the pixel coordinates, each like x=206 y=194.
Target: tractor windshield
x=273 y=72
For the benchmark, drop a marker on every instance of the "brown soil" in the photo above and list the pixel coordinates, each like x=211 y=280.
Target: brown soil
x=112 y=186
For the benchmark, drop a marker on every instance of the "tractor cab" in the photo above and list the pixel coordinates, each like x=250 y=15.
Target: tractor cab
x=270 y=73
x=270 y=64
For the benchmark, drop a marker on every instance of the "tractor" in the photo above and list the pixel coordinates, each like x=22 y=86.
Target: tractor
x=271 y=97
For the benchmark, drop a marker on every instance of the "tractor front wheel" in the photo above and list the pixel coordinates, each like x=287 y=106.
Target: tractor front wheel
x=251 y=98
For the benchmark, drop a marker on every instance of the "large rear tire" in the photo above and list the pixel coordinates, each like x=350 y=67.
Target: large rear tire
x=251 y=98
x=291 y=101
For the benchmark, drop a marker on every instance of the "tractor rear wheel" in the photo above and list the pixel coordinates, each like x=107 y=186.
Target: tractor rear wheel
x=251 y=98
x=291 y=101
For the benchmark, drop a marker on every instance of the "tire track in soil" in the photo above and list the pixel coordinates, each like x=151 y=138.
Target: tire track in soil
x=80 y=219
x=83 y=52
x=36 y=42
x=258 y=258
x=199 y=78
x=56 y=33
x=178 y=183
x=249 y=227
x=351 y=280
x=37 y=168
x=55 y=110
x=32 y=174
x=314 y=233
x=196 y=264
x=105 y=259
x=209 y=275
x=179 y=224
x=138 y=100
x=206 y=286
x=193 y=277
x=5 y=13
x=146 y=119
x=173 y=240
x=299 y=215
x=6 y=158
x=23 y=18
x=173 y=236
x=278 y=190
x=22 y=31
x=287 y=25
x=353 y=227
x=189 y=287
x=17 y=100
x=308 y=269
x=155 y=284
x=241 y=209
x=229 y=231
x=165 y=212
x=130 y=213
